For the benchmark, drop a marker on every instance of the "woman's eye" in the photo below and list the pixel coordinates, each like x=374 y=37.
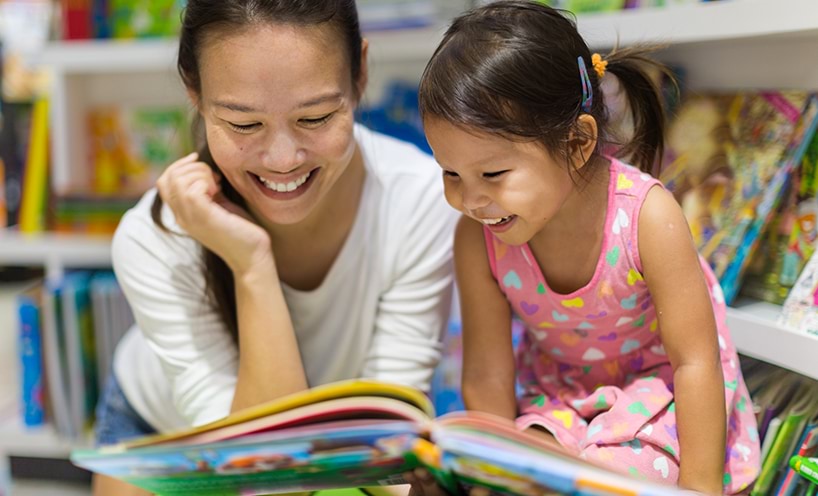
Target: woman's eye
x=494 y=174
x=316 y=121
x=244 y=128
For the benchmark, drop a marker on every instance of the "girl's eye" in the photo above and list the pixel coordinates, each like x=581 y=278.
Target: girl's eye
x=315 y=122
x=494 y=174
x=449 y=174
x=244 y=128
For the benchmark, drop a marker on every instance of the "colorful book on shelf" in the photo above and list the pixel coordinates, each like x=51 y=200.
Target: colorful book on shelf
x=790 y=241
x=32 y=381
x=56 y=362
x=808 y=445
x=800 y=310
x=803 y=406
x=729 y=158
x=130 y=145
x=35 y=177
x=355 y=433
x=80 y=348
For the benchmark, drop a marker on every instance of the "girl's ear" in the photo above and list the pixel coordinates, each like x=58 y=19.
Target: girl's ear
x=582 y=141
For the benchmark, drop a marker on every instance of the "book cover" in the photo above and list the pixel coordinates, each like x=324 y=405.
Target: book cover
x=354 y=433
x=729 y=158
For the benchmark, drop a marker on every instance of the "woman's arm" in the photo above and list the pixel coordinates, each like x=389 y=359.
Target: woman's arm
x=688 y=329
x=269 y=360
x=488 y=356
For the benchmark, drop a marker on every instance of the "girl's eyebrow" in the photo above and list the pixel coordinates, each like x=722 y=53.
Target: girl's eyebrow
x=240 y=107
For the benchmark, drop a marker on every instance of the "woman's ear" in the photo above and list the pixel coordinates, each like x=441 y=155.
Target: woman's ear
x=582 y=141
x=363 y=79
x=194 y=99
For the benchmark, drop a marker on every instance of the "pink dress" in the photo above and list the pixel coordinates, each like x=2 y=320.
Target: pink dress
x=591 y=363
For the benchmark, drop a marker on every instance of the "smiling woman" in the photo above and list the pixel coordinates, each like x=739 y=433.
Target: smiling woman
x=295 y=248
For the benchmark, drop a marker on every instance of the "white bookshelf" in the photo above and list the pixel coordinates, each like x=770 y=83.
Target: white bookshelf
x=756 y=333
x=54 y=252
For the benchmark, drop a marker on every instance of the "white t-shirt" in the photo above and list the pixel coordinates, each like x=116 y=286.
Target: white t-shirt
x=379 y=312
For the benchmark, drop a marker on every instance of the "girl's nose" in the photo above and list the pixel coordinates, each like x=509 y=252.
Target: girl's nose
x=474 y=199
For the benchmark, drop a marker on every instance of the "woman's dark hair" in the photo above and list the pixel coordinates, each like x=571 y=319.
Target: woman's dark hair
x=203 y=18
x=511 y=68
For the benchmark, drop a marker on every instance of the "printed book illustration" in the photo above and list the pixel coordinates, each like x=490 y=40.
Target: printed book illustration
x=356 y=433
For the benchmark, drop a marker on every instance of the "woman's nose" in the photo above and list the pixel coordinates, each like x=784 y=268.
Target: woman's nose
x=283 y=153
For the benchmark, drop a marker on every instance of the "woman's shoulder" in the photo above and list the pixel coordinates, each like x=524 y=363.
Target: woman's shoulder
x=390 y=159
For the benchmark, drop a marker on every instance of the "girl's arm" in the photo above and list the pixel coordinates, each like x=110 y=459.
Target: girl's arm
x=688 y=329
x=488 y=357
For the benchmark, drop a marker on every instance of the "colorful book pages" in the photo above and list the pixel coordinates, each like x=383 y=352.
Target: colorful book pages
x=338 y=435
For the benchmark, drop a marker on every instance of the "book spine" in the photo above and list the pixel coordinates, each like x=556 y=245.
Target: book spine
x=35 y=179
x=30 y=348
x=808 y=444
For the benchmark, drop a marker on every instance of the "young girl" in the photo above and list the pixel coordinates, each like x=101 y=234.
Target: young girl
x=627 y=360
x=298 y=248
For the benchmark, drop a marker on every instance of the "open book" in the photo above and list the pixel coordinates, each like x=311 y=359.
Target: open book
x=352 y=434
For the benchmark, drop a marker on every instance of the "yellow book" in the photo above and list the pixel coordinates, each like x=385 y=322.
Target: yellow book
x=35 y=177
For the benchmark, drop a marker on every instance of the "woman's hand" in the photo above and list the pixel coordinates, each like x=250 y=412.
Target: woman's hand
x=191 y=189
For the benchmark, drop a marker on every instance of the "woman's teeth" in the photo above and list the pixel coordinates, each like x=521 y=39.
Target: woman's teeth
x=492 y=222
x=285 y=187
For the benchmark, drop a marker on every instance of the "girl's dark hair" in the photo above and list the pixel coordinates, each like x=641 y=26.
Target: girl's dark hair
x=203 y=18
x=511 y=68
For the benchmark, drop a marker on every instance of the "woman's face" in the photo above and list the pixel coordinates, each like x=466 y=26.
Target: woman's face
x=278 y=104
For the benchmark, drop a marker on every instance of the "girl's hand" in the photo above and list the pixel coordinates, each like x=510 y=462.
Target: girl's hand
x=191 y=189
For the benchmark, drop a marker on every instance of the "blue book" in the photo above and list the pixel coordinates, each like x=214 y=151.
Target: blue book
x=30 y=348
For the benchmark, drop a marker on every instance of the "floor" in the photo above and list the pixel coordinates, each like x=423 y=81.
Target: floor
x=8 y=395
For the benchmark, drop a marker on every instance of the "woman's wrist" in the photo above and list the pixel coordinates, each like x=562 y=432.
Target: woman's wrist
x=258 y=274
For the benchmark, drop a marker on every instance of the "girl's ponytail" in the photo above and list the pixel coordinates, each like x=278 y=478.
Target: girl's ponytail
x=635 y=72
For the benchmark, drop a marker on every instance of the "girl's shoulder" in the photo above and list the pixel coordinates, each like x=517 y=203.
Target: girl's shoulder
x=629 y=180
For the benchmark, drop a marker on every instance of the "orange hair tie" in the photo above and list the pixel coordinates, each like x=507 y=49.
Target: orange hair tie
x=599 y=64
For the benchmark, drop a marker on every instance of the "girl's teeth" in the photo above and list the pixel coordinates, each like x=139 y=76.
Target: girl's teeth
x=491 y=222
x=285 y=187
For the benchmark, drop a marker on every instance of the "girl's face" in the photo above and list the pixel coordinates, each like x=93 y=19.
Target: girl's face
x=278 y=104
x=513 y=188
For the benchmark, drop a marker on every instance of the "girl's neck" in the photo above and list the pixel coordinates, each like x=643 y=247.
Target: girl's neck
x=587 y=203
